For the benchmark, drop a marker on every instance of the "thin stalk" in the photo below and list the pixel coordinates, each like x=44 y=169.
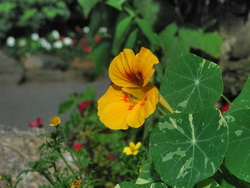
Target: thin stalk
x=161 y=110
x=67 y=164
x=66 y=144
x=226 y=99
x=54 y=166
x=47 y=177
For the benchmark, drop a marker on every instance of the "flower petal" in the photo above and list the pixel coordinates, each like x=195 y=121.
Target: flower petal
x=130 y=70
x=145 y=107
x=127 y=150
x=145 y=61
x=132 y=145
x=135 y=152
x=113 y=108
x=152 y=98
x=138 y=145
x=136 y=117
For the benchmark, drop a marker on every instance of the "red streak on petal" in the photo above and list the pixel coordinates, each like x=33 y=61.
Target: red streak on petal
x=142 y=104
x=126 y=98
x=130 y=107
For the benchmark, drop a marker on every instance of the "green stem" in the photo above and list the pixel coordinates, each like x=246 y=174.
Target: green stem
x=66 y=144
x=56 y=176
x=47 y=177
x=225 y=98
x=161 y=110
x=67 y=164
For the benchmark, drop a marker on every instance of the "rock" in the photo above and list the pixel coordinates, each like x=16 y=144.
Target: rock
x=17 y=149
x=42 y=61
x=235 y=74
x=235 y=30
x=11 y=71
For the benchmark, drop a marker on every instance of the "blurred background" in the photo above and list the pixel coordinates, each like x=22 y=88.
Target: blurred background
x=51 y=48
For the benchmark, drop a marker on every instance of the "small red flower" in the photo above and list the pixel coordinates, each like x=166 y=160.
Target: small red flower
x=111 y=157
x=97 y=38
x=83 y=106
x=36 y=123
x=225 y=108
x=86 y=49
x=77 y=146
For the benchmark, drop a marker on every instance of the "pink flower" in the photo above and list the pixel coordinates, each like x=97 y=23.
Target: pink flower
x=36 y=123
x=97 y=38
x=83 y=105
x=77 y=146
x=225 y=108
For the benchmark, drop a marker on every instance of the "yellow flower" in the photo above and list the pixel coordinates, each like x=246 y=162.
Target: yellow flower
x=121 y=108
x=130 y=70
x=132 y=149
x=55 y=121
x=131 y=98
x=76 y=184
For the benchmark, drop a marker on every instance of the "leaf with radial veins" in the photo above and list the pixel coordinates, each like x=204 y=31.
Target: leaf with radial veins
x=237 y=158
x=188 y=148
x=192 y=84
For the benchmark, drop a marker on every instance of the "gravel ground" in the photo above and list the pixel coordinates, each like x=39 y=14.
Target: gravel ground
x=22 y=104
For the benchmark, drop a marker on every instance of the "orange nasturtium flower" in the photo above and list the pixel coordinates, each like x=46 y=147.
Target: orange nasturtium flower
x=55 y=121
x=131 y=98
x=132 y=149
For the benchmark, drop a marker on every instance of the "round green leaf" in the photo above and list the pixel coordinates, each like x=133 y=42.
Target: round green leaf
x=192 y=84
x=237 y=158
x=188 y=148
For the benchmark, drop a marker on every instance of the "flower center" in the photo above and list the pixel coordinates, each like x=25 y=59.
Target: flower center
x=135 y=78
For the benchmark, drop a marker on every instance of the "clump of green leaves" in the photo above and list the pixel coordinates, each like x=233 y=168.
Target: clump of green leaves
x=55 y=166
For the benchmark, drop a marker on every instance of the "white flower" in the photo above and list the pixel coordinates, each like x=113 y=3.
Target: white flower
x=55 y=34
x=86 y=29
x=35 y=36
x=10 y=41
x=22 y=42
x=67 y=41
x=103 y=29
x=45 y=44
x=58 y=44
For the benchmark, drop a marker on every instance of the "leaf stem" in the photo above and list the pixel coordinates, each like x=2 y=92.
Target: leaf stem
x=226 y=99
